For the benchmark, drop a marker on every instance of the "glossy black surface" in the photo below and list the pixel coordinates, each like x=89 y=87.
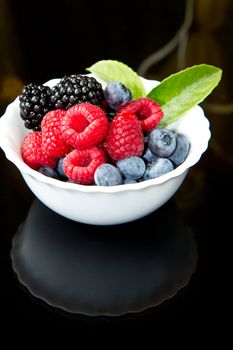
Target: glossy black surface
x=32 y=50
x=104 y=270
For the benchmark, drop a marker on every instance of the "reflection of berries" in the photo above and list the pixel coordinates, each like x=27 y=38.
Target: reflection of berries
x=148 y=112
x=32 y=152
x=80 y=165
x=84 y=125
x=75 y=89
x=124 y=138
x=34 y=104
x=52 y=141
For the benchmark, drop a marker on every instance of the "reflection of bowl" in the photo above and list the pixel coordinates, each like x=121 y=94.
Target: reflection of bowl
x=104 y=270
x=101 y=205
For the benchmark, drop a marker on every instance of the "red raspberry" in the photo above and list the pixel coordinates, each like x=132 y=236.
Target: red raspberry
x=148 y=112
x=124 y=138
x=33 y=154
x=52 y=141
x=103 y=146
x=80 y=165
x=84 y=125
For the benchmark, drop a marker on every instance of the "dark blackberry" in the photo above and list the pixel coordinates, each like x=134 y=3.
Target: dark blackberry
x=75 y=89
x=34 y=104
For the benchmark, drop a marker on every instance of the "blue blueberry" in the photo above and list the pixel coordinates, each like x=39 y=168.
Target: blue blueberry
x=60 y=170
x=132 y=167
x=107 y=175
x=129 y=181
x=149 y=156
x=117 y=94
x=50 y=172
x=162 y=142
x=181 y=151
x=157 y=168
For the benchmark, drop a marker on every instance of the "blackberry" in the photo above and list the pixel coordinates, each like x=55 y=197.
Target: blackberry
x=34 y=104
x=75 y=89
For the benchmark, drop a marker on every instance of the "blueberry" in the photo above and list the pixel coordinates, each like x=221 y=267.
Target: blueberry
x=60 y=170
x=162 y=142
x=129 y=181
x=149 y=156
x=181 y=151
x=107 y=175
x=157 y=168
x=117 y=94
x=132 y=167
x=50 y=172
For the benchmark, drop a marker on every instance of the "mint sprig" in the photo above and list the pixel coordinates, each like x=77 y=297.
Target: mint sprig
x=182 y=91
x=110 y=70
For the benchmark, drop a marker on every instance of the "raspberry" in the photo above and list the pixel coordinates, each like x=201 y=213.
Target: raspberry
x=52 y=141
x=33 y=154
x=124 y=138
x=84 y=125
x=148 y=112
x=80 y=165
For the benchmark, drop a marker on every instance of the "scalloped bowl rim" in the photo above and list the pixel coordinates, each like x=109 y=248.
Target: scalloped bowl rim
x=193 y=157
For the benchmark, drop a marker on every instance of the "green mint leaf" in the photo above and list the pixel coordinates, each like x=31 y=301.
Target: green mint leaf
x=182 y=91
x=110 y=70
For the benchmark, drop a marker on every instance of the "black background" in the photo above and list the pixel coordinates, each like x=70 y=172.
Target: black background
x=53 y=39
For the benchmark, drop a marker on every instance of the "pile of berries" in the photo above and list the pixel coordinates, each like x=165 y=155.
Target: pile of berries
x=36 y=100
x=104 y=138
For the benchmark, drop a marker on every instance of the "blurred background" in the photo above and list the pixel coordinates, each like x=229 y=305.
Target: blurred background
x=47 y=39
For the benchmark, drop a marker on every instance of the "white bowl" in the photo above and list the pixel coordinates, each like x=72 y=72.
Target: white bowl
x=102 y=205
